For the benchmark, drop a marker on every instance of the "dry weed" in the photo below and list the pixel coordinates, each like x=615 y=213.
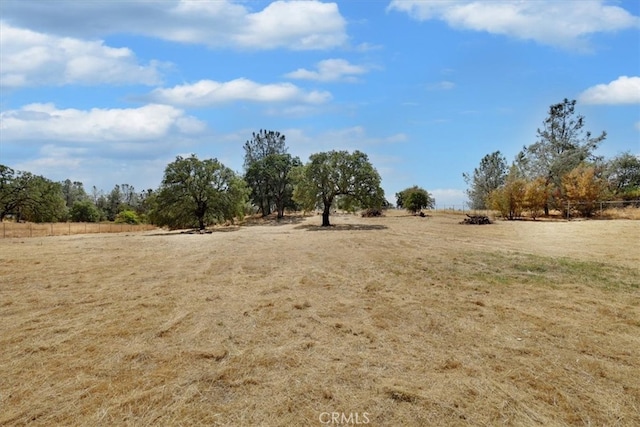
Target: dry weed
x=408 y=320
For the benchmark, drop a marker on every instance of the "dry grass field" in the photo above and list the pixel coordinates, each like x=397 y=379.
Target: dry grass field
x=393 y=321
x=30 y=229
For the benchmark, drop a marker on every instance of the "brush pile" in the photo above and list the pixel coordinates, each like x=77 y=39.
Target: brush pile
x=371 y=213
x=476 y=220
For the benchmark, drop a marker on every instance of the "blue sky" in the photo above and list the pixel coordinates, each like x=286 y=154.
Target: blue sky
x=110 y=92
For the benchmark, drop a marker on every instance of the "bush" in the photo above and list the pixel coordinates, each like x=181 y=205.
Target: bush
x=84 y=211
x=127 y=217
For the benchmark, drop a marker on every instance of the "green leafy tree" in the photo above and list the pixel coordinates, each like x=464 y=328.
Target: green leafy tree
x=414 y=199
x=30 y=197
x=198 y=193
x=332 y=174
x=562 y=145
x=488 y=176
x=623 y=176
x=73 y=191
x=270 y=182
x=114 y=203
x=8 y=192
x=266 y=165
x=84 y=211
x=278 y=167
x=127 y=217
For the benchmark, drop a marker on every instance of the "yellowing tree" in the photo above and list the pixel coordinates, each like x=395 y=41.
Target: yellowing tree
x=509 y=199
x=583 y=188
x=536 y=194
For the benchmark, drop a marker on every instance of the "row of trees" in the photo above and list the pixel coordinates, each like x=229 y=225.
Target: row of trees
x=559 y=171
x=29 y=197
x=200 y=192
x=197 y=193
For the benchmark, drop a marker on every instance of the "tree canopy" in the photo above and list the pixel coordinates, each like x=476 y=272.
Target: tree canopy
x=562 y=145
x=623 y=176
x=487 y=177
x=414 y=199
x=332 y=174
x=30 y=197
x=267 y=165
x=198 y=193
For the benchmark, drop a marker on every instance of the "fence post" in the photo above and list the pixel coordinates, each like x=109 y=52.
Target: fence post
x=51 y=229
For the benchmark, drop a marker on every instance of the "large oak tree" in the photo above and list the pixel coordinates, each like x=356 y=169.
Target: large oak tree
x=198 y=193
x=333 y=174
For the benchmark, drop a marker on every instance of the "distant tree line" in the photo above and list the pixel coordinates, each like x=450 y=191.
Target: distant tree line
x=559 y=171
x=28 y=197
x=197 y=193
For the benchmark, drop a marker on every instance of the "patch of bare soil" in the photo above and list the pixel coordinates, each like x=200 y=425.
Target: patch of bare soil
x=399 y=320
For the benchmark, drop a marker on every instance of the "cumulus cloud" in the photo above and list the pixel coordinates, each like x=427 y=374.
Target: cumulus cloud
x=298 y=25
x=551 y=22
x=31 y=58
x=208 y=92
x=623 y=90
x=330 y=70
x=45 y=122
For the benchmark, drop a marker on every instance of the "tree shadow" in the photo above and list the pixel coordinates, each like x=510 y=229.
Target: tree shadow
x=196 y=231
x=342 y=227
x=272 y=221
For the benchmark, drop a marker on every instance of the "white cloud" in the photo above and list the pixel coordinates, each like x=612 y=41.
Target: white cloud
x=449 y=198
x=30 y=58
x=330 y=70
x=209 y=92
x=551 y=22
x=298 y=25
x=45 y=122
x=623 y=90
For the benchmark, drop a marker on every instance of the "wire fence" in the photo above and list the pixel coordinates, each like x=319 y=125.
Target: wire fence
x=15 y=229
x=569 y=209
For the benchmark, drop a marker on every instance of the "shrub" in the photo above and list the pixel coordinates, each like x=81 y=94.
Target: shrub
x=84 y=211
x=127 y=217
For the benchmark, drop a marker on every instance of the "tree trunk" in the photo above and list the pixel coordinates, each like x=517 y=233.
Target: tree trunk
x=325 y=214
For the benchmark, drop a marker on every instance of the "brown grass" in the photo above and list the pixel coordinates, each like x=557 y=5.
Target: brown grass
x=29 y=229
x=407 y=320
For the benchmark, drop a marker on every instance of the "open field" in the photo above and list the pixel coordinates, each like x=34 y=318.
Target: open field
x=400 y=321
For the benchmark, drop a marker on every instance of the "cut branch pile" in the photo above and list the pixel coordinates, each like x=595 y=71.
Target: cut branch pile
x=476 y=219
x=371 y=212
